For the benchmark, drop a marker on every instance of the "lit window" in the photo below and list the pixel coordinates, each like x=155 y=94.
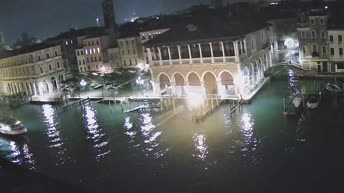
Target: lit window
x=86 y=52
x=90 y=51
x=98 y=50
x=67 y=43
x=94 y=50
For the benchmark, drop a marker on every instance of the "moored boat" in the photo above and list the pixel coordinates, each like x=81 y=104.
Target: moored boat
x=11 y=127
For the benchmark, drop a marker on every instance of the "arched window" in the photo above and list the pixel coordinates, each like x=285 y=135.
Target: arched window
x=314 y=48
x=314 y=35
x=323 y=34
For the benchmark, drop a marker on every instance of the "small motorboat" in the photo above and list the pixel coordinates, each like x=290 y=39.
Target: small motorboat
x=11 y=127
x=333 y=88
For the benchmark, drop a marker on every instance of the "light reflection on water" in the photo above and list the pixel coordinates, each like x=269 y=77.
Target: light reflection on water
x=95 y=133
x=18 y=152
x=53 y=132
x=150 y=134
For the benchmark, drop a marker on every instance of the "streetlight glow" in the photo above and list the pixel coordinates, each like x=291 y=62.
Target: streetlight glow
x=83 y=83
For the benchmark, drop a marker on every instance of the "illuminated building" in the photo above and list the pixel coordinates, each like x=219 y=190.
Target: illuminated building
x=32 y=70
x=210 y=56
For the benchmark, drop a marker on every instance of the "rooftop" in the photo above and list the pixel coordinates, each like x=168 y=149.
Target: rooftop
x=207 y=28
x=26 y=49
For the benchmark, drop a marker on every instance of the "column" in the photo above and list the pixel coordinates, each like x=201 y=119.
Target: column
x=200 y=52
x=179 y=54
x=160 y=60
x=270 y=59
x=35 y=88
x=236 y=51
x=169 y=54
x=211 y=51
x=245 y=48
x=223 y=52
x=149 y=52
x=190 y=53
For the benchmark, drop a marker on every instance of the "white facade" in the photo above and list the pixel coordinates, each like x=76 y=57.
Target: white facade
x=32 y=73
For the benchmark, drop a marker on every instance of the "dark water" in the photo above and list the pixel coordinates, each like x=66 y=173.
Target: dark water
x=100 y=149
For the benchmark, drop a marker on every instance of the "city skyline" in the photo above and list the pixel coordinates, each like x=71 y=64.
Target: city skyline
x=44 y=19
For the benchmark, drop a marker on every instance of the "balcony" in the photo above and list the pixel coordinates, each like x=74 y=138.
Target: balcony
x=196 y=61
x=302 y=24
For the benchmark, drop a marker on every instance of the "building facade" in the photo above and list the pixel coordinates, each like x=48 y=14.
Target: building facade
x=229 y=64
x=313 y=41
x=93 y=52
x=131 y=51
x=34 y=70
x=336 y=46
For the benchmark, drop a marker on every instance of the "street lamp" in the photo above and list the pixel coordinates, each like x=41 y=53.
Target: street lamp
x=83 y=84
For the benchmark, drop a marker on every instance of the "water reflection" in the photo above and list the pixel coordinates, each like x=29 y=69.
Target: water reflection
x=95 y=133
x=56 y=141
x=150 y=135
x=249 y=143
x=201 y=147
x=18 y=152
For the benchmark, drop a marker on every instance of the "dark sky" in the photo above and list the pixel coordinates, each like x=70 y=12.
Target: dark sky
x=44 y=18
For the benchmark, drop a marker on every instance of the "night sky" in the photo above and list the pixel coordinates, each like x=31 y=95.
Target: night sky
x=45 y=18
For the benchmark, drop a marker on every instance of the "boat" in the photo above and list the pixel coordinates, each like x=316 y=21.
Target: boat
x=293 y=108
x=333 y=88
x=313 y=102
x=11 y=127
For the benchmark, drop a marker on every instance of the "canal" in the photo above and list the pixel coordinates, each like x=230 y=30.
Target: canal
x=100 y=149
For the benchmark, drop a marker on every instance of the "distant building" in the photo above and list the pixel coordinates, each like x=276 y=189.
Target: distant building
x=94 y=51
x=32 y=70
x=313 y=39
x=210 y=56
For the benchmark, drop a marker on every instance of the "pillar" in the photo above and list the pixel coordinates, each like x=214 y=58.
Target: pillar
x=160 y=60
x=169 y=54
x=179 y=54
x=149 y=55
x=200 y=52
x=223 y=51
x=236 y=51
x=211 y=52
x=245 y=48
x=190 y=53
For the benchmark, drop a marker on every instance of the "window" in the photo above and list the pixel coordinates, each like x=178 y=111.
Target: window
x=83 y=62
x=303 y=34
x=56 y=54
x=323 y=35
x=48 y=56
x=98 y=49
x=58 y=65
x=80 y=69
x=341 y=51
x=134 y=51
x=324 y=50
x=304 y=50
x=321 y=21
x=86 y=52
x=95 y=59
x=132 y=42
x=84 y=68
x=314 y=48
x=130 y=62
x=97 y=42
x=41 y=70
x=91 y=59
x=92 y=43
x=88 y=67
x=97 y=67
x=331 y=38
x=124 y=62
x=82 y=52
x=121 y=44
x=100 y=58
x=332 y=51
x=312 y=22
x=143 y=37
x=89 y=43
x=88 y=60
x=50 y=67
x=340 y=38
x=314 y=35
x=127 y=43
x=128 y=52
x=39 y=58
x=77 y=53
x=122 y=52
x=135 y=61
x=66 y=43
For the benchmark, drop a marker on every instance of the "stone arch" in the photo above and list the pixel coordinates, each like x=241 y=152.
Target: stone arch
x=194 y=79
x=54 y=83
x=226 y=77
x=179 y=79
x=164 y=80
x=210 y=84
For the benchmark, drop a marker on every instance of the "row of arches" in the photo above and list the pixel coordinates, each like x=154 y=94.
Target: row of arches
x=192 y=82
x=34 y=88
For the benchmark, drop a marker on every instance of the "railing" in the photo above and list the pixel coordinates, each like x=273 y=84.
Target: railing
x=228 y=59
